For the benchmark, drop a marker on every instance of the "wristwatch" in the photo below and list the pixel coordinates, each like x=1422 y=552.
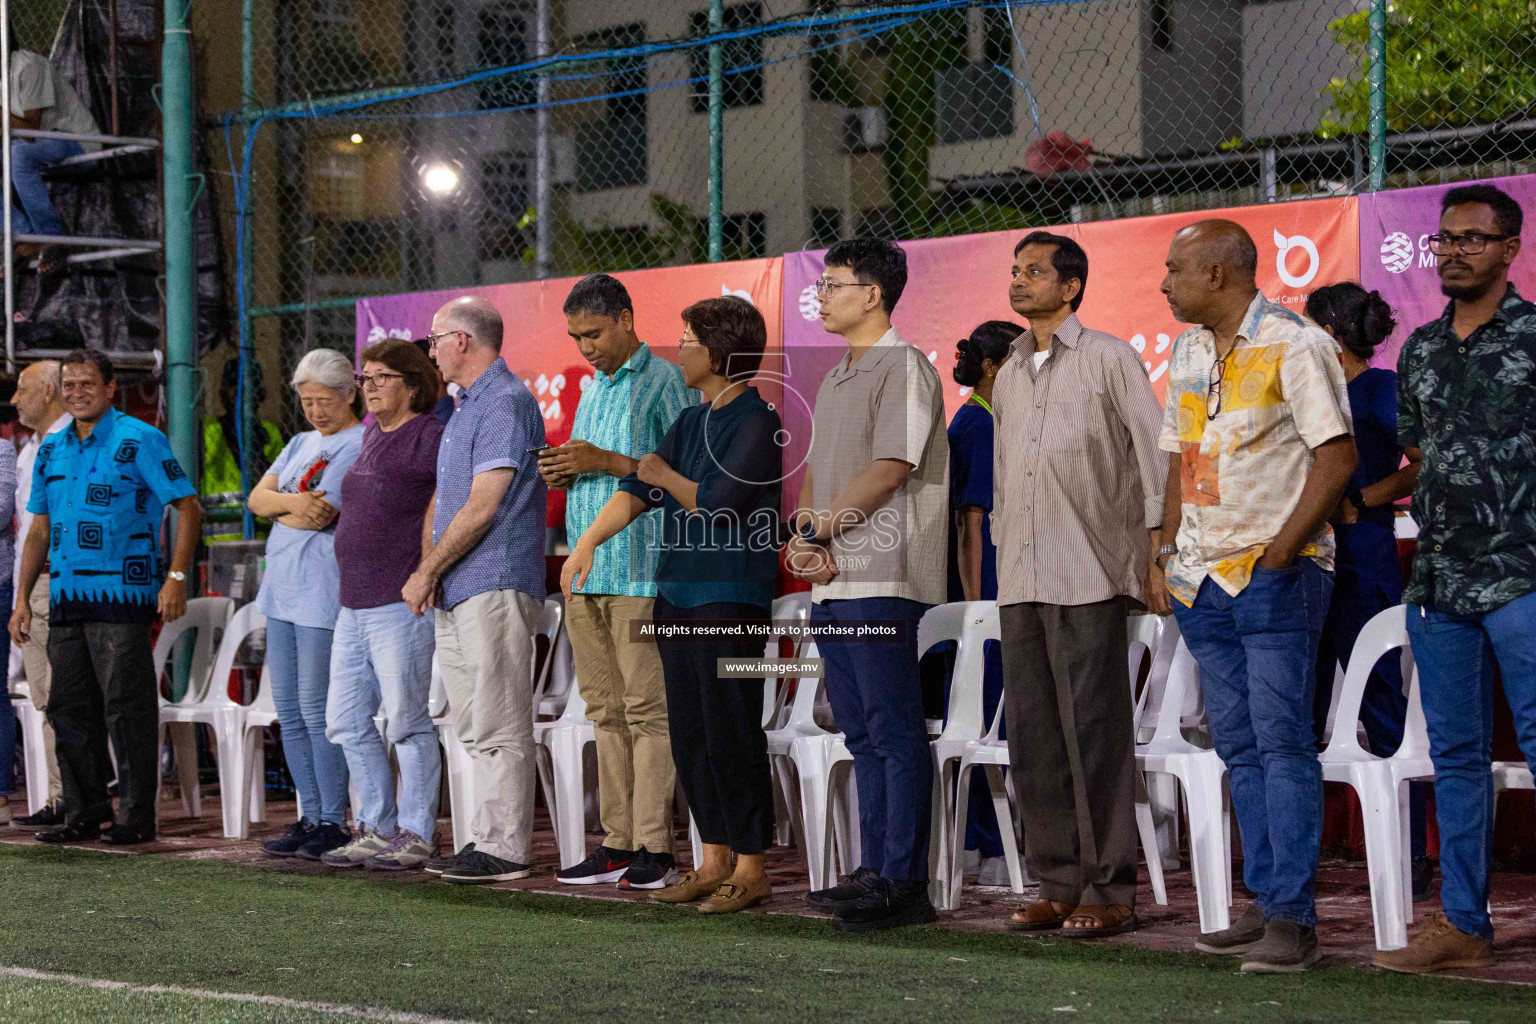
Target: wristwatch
x=179 y=577
x=1356 y=499
x=1166 y=549
x=808 y=532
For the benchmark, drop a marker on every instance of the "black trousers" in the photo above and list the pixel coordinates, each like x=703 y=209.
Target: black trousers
x=716 y=726
x=1067 y=692
x=104 y=687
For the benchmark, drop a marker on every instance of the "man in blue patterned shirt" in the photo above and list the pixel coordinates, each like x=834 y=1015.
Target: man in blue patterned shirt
x=629 y=404
x=97 y=493
x=1466 y=385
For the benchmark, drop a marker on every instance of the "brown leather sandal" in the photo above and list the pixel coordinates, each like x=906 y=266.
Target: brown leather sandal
x=1108 y=919
x=1039 y=916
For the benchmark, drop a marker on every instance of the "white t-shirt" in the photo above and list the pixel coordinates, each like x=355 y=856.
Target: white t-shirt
x=37 y=85
x=1040 y=357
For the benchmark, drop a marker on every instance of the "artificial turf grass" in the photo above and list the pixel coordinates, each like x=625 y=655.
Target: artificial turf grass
x=488 y=955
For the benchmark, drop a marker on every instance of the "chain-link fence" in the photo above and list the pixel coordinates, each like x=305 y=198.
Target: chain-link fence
x=391 y=145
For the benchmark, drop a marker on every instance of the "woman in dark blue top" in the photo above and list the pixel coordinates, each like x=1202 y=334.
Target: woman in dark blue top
x=1367 y=579
x=972 y=555
x=716 y=475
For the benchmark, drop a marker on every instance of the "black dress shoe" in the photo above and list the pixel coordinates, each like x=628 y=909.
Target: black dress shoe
x=51 y=816
x=888 y=904
x=78 y=832
x=127 y=835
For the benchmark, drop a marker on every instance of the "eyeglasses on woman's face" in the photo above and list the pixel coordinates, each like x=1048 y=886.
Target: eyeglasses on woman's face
x=374 y=381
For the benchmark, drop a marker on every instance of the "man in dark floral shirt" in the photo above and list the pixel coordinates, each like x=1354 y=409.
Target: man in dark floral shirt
x=1467 y=398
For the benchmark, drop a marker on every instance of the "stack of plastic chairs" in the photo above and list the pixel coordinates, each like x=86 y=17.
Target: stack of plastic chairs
x=200 y=704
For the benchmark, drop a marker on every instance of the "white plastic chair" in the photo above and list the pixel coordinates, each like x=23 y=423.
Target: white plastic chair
x=29 y=723
x=1145 y=635
x=561 y=748
x=227 y=719
x=199 y=704
x=795 y=609
x=1382 y=782
x=1199 y=771
x=1506 y=775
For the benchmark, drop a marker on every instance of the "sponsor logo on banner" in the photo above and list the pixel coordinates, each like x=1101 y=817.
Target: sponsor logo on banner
x=1397 y=253
x=1284 y=245
x=378 y=334
x=810 y=303
x=726 y=292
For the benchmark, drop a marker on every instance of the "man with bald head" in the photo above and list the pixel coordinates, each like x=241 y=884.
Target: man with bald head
x=1257 y=423
x=482 y=570
x=40 y=407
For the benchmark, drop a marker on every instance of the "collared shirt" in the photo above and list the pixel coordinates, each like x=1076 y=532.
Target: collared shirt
x=1079 y=475
x=1468 y=404
x=103 y=497
x=629 y=413
x=1243 y=470
x=495 y=423
x=888 y=405
x=25 y=460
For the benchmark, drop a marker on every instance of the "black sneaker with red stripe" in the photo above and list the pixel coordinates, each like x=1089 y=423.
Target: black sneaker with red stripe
x=602 y=865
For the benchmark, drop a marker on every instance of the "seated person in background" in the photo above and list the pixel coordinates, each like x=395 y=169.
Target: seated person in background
x=41 y=100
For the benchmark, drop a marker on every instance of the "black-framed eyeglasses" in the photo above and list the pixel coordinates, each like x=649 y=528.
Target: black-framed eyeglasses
x=1213 y=392
x=376 y=380
x=433 y=339
x=1469 y=244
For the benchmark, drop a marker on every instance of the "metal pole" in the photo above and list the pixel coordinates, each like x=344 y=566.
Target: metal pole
x=1378 y=95
x=5 y=178
x=543 y=229
x=244 y=417
x=180 y=260
x=716 y=133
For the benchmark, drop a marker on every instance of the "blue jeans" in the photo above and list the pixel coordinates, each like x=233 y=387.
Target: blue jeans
x=381 y=658
x=876 y=694
x=1455 y=655
x=300 y=660
x=32 y=210
x=1258 y=655
x=7 y=711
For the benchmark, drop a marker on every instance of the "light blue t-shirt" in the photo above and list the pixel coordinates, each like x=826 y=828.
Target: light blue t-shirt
x=302 y=584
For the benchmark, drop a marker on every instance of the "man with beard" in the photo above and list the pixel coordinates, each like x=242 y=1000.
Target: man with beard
x=1465 y=389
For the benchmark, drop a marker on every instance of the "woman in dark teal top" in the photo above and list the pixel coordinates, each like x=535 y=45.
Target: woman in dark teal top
x=716 y=475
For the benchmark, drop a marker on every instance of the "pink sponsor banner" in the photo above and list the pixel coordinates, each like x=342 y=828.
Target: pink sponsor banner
x=1395 y=258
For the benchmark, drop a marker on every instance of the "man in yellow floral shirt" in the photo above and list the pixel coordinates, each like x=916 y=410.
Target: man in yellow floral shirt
x=1257 y=421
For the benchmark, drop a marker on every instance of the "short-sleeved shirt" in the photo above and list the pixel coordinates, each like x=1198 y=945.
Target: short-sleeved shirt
x=497 y=420
x=1243 y=470
x=387 y=491
x=37 y=85
x=629 y=413
x=888 y=405
x=103 y=498
x=727 y=551
x=970 y=484
x=1471 y=406
x=302 y=584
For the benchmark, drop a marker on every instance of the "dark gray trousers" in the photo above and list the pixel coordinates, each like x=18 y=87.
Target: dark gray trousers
x=1067 y=694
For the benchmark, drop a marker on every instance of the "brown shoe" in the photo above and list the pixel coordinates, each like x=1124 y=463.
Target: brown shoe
x=686 y=889
x=730 y=897
x=1039 y=916
x=1439 y=946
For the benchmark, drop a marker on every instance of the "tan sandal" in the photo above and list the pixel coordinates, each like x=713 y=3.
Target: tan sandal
x=1107 y=919
x=1039 y=916
x=687 y=889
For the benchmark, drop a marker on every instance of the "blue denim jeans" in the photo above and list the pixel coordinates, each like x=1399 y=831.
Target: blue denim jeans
x=876 y=694
x=1258 y=655
x=1455 y=655
x=381 y=659
x=300 y=660
x=32 y=210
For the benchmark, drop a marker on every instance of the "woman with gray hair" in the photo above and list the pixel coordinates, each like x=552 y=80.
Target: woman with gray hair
x=301 y=595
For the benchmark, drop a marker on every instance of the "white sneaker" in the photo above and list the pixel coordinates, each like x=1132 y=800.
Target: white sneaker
x=367 y=843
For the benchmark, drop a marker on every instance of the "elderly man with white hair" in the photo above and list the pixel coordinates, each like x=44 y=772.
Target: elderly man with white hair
x=40 y=407
x=301 y=595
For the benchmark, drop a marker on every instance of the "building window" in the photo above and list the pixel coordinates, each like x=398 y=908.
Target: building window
x=502 y=38
x=826 y=226
x=743 y=236
x=504 y=186
x=613 y=152
x=743 y=59
x=1162 y=24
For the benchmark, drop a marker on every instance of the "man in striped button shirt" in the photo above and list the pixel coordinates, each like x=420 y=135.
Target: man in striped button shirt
x=628 y=405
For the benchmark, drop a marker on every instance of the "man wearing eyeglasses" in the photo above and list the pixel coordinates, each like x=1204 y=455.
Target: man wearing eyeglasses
x=1257 y=423
x=1466 y=388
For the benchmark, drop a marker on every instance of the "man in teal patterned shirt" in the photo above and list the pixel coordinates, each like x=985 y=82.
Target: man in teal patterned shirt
x=630 y=402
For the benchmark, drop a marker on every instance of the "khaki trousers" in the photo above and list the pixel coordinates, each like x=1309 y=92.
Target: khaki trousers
x=34 y=657
x=485 y=653
x=622 y=682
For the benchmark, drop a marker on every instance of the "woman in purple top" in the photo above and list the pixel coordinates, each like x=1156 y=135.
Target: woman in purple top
x=381 y=656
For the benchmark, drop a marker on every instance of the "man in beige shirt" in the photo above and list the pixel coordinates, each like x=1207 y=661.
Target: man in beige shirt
x=874 y=508
x=1078 y=483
